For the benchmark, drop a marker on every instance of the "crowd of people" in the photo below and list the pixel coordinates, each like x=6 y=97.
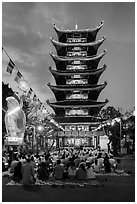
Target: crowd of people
x=63 y=164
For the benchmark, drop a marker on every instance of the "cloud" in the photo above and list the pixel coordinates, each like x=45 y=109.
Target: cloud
x=54 y=12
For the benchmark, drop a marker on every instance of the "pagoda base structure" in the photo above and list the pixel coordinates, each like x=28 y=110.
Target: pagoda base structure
x=77 y=134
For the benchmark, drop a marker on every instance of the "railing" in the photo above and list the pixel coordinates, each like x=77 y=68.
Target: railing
x=76 y=40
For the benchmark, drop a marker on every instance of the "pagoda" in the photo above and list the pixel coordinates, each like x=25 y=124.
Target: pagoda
x=77 y=89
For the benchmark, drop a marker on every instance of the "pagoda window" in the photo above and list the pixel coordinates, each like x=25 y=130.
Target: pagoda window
x=76 y=76
x=84 y=53
x=78 y=81
x=83 y=40
x=75 y=112
x=76 y=96
x=76 y=62
x=69 y=54
x=75 y=49
x=76 y=35
x=76 y=40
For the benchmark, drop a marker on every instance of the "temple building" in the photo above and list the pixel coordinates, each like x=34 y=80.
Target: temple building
x=77 y=90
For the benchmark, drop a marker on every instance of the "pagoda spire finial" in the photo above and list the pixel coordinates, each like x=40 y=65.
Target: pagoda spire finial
x=76 y=26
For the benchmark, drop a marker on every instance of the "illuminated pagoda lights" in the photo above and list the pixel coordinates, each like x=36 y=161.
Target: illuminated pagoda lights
x=77 y=89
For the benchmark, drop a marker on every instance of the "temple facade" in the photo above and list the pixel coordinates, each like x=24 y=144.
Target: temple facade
x=77 y=90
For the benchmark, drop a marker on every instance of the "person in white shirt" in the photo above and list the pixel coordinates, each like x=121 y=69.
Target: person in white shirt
x=90 y=173
x=96 y=166
x=112 y=162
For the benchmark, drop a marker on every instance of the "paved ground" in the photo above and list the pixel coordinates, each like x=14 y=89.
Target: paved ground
x=112 y=189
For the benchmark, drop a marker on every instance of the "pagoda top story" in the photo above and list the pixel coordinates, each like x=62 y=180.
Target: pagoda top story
x=90 y=33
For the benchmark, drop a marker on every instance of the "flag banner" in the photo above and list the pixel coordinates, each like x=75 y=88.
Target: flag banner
x=18 y=77
x=35 y=98
x=29 y=93
x=38 y=103
x=10 y=67
x=40 y=106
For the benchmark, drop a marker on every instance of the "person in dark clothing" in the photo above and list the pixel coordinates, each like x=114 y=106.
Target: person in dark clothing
x=17 y=175
x=43 y=172
x=3 y=165
x=81 y=172
x=107 y=164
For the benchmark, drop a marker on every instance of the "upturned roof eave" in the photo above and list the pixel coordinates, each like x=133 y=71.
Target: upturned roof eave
x=64 y=59
x=58 y=45
x=90 y=30
x=85 y=72
x=55 y=105
x=69 y=88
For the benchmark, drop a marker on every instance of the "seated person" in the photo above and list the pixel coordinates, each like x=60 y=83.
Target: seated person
x=95 y=166
x=100 y=161
x=107 y=164
x=58 y=170
x=72 y=171
x=81 y=172
x=42 y=171
x=112 y=162
x=17 y=175
x=119 y=167
x=90 y=173
x=13 y=164
x=3 y=164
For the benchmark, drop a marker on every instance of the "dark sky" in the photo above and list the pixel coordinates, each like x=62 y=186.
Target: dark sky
x=27 y=28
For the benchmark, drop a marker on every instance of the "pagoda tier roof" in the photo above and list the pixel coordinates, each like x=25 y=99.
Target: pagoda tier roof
x=60 y=91
x=93 y=108
x=92 y=46
x=77 y=120
x=91 y=61
x=91 y=75
x=92 y=33
x=77 y=103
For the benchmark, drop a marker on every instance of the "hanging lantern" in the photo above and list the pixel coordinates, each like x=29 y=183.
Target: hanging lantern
x=44 y=111
x=23 y=85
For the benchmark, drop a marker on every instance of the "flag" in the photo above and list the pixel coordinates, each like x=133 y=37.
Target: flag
x=29 y=93
x=18 y=77
x=35 y=98
x=40 y=105
x=10 y=67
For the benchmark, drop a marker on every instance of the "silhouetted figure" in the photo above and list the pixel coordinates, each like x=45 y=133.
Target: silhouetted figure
x=17 y=176
x=43 y=172
x=107 y=164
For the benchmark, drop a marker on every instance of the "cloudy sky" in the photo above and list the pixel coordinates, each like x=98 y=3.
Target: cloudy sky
x=27 y=28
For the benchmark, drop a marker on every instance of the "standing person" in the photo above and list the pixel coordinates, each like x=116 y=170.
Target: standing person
x=58 y=170
x=28 y=176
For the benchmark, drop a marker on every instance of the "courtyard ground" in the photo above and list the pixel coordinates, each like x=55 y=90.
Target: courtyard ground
x=111 y=189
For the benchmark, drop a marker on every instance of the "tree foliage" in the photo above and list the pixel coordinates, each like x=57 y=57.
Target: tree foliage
x=113 y=131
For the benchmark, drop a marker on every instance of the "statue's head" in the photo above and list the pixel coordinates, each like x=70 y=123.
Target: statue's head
x=12 y=102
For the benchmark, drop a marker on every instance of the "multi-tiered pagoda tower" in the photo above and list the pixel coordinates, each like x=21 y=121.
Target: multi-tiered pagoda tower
x=77 y=89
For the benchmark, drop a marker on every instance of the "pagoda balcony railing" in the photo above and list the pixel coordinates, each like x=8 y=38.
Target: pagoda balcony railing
x=76 y=40
x=77 y=54
x=76 y=67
